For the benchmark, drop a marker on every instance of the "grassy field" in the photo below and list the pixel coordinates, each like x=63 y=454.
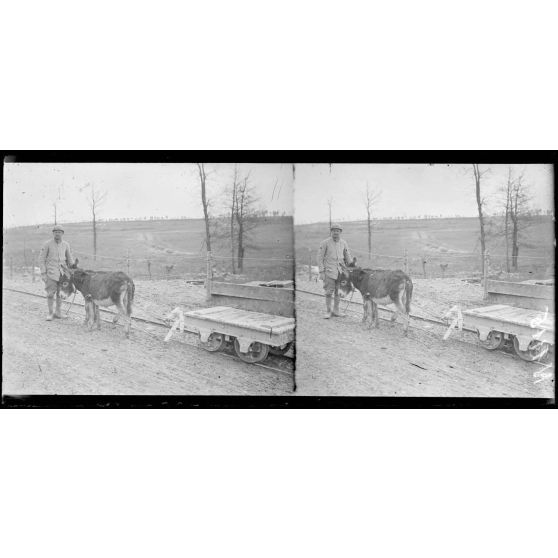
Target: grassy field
x=178 y=243
x=451 y=241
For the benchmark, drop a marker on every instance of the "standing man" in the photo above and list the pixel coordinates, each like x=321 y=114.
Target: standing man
x=53 y=254
x=332 y=253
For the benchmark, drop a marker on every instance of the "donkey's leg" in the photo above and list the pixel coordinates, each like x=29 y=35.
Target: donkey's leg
x=121 y=306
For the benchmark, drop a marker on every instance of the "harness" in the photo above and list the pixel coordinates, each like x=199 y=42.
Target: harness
x=71 y=303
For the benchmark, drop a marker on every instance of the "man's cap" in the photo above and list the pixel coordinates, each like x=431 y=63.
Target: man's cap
x=336 y=226
x=57 y=228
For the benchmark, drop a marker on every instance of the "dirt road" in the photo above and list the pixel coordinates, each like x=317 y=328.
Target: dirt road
x=337 y=357
x=62 y=357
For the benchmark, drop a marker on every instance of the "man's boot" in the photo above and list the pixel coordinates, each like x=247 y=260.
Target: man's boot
x=328 y=307
x=58 y=314
x=50 y=303
x=336 y=311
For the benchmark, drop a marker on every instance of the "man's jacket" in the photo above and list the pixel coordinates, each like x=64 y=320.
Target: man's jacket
x=53 y=255
x=331 y=254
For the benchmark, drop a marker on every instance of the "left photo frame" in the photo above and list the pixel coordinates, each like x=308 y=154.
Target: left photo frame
x=160 y=280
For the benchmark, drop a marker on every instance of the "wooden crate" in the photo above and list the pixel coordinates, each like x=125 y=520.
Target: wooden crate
x=276 y=301
x=521 y=295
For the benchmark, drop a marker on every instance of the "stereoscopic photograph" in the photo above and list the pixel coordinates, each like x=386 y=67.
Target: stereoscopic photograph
x=196 y=279
x=425 y=280
x=148 y=279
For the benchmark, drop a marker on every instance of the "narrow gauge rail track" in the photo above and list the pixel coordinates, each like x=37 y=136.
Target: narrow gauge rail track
x=272 y=359
x=388 y=310
x=507 y=348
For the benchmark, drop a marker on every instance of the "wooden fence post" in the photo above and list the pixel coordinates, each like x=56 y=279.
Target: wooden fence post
x=128 y=261
x=149 y=268
x=424 y=261
x=33 y=265
x=11 y=267
x=309 y=264
x=485 y=277
x=208 y=277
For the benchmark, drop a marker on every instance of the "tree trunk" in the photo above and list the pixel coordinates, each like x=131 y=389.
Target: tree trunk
x=369 y=234
x=507 y=221
x=507 y=233
x=205 y=206
x=240 y=257
x=233 y=213
x=515 y=247
x=232 y=242
x=94 y=236
x=481 y=216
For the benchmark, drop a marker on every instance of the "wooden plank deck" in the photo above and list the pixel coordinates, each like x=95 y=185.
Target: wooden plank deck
x=518 y=316
x=255 y=321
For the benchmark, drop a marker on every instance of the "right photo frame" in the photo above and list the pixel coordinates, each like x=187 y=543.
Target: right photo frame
x=425 y=280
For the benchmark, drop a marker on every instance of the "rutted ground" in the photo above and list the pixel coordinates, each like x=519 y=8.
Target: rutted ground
x=338 y=357
x=63 y=357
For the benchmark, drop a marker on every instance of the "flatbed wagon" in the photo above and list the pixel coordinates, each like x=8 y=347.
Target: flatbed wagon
x=253 y=334
x=525 y=321
x=255 y=319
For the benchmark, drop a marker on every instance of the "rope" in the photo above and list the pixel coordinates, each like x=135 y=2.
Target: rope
x=71 y=303
x=349 y=301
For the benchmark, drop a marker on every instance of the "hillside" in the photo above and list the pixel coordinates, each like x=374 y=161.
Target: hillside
x=177 y=242
x=451 y=241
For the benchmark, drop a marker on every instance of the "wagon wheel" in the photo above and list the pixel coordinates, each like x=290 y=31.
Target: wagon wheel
x=535 y=351
x=215 y=342
x=256 y=352
x=281 y=349
x=495 y=340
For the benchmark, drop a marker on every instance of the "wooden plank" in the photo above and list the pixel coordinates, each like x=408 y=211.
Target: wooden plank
x=512 y=315
x=252 y=292
x=521 y=301
x=249 y=320
x=275 y=284
x=267 y=306
x=243 y=316
x=486 y=309
x=521 y=289
x=546 y=282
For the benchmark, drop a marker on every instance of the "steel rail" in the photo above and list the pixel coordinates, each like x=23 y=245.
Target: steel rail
x=414 y=316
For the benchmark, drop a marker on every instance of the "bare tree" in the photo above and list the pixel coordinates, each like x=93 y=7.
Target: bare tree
x=478 y=174
x=519 y=214
x=508 y=198
x=330 y=204
x=246 y=218
x=55 y=221
x=233 y=197
x=96 y=200
x=205 y=203
x=371 y=197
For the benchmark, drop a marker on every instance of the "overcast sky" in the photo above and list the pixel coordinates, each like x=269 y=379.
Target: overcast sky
x=133 y=190
x=407 y=190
